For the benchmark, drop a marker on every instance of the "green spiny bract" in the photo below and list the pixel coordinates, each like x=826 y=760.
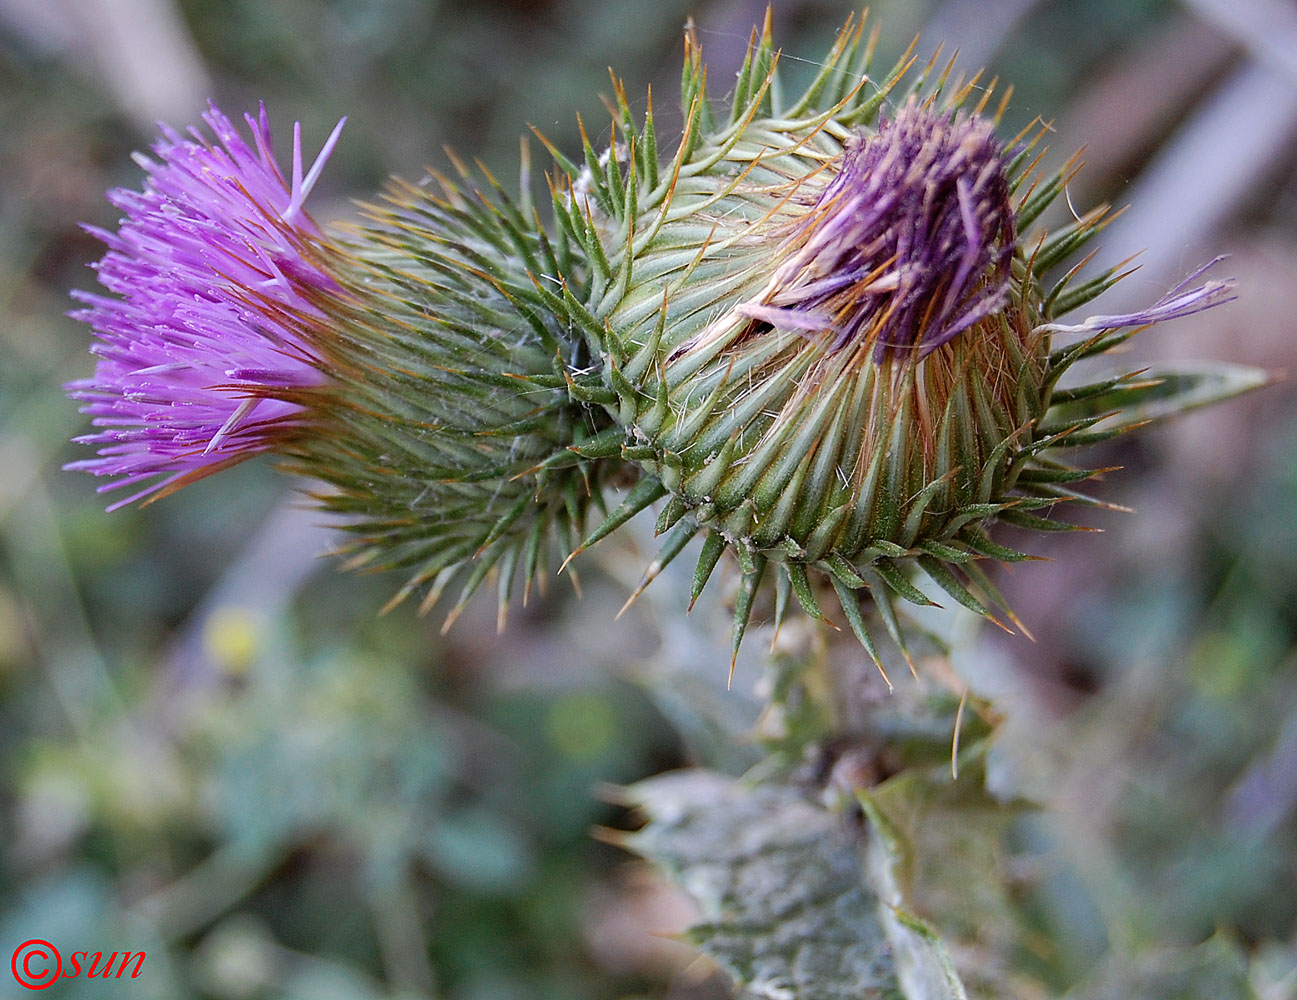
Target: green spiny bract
x=447 y=391
x=850 y=380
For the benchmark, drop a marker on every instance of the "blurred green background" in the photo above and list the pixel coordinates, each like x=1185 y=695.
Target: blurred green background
x=212 y=748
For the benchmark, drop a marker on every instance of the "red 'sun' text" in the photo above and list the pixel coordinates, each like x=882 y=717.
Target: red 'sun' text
x=37 y=964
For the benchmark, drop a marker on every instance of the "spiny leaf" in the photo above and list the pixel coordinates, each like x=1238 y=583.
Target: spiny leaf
x=786 y=909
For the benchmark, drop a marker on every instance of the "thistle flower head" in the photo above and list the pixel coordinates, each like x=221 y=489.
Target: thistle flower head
x=391 y=363
x=446 y=430
x=908 y=245
x=828 y=332
x=197 y=365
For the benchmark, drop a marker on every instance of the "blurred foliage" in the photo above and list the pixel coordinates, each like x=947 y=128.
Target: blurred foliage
x=235 y=766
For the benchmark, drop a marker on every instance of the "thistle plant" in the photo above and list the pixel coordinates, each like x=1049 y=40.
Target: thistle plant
x=825 y=334
x=834 y=339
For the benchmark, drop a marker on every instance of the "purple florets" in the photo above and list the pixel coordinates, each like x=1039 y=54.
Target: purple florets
x=193 y=346
x=909 y=244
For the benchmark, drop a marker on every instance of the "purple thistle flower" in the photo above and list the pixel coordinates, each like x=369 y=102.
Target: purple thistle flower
x=194 y=342
x=907 y=246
